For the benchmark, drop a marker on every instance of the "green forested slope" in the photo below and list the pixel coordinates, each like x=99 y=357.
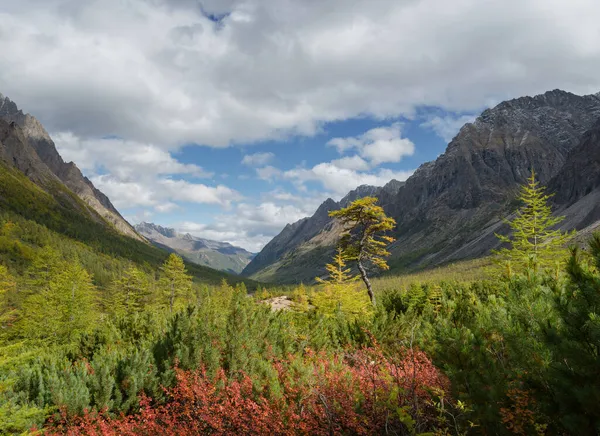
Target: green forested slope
x=63 y=218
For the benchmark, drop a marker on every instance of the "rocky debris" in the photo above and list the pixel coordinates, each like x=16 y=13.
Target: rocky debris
x=280 y=303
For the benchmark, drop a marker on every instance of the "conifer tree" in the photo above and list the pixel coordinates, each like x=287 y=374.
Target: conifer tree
x=339 y=292
x=63 y=309
x=534 y=242
x=45 y=265
x=364 y=240
x=130 y=292
x=174 y=283
x=338 y=273
x=575 y=345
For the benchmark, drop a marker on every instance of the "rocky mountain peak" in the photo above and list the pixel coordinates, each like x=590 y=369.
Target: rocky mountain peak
x=392 y=187
x=149 y=228
x=360 y=192
x=188 y=237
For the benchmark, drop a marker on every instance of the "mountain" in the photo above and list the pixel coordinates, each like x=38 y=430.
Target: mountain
x=39 y=202
x=218 y=255
x=302 y=248
x=576 y=187
x=450 y=208
x=41 y=148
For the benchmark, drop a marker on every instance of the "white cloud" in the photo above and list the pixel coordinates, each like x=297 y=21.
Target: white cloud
x=250 y=227
x=123 y=159
x=161 y=193
x=447 y=126
x=378 y=145
x=257 y=159
x=268 y=173
x=162 y=72
x=351 y=163
x=342 y=180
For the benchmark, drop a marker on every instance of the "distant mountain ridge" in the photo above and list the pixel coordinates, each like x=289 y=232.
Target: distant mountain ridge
x=450 y=208
x=40 y=158
x=218 y=255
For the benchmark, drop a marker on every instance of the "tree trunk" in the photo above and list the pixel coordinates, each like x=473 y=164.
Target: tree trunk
x=361 y=268
x=363 y=275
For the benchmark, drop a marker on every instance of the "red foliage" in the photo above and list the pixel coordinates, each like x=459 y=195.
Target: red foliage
x=360 y=393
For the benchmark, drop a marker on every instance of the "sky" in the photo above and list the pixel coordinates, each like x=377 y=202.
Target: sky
x=229 y=119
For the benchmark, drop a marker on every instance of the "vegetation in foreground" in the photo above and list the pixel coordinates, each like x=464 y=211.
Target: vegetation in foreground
x=154 y=352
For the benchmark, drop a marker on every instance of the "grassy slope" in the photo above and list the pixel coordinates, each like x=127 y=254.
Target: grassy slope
x=64 y=213
x=463 y=271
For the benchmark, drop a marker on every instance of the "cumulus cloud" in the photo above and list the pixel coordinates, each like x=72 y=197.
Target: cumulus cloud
x=160 y=193
x=122 y=158
x=169 y=72
x=351 y=163
x=378 y=145
x=257 y=159
x=136 y=174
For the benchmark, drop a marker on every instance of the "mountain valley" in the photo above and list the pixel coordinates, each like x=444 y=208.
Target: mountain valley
x=451 y=208
x=218 y=255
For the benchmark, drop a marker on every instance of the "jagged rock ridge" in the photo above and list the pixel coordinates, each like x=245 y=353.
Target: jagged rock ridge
x=41 y=149
x=450 y=208
x=218 y=255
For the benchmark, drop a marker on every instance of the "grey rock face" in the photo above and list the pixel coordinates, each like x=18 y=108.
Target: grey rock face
x=576 y=187
x=38 y=139
x=473 y=183
x=16 y=151
x=449 y=208
x=218 y=255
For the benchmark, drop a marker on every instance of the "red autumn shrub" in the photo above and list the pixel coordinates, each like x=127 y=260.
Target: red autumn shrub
x=362 y=392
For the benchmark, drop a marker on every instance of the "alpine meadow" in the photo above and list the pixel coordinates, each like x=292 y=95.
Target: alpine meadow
x=261 y=217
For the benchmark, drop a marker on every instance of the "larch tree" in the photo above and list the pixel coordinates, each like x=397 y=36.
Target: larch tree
x=339 y=291
x=534 y=240
x=174 y=283
x=130 y=292
x=364 y=240
x=63 y=309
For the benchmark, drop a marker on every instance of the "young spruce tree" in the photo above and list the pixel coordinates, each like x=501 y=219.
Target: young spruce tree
x=364 y=240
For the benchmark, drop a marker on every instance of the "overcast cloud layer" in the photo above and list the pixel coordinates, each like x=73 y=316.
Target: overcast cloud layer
x=122 y=84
